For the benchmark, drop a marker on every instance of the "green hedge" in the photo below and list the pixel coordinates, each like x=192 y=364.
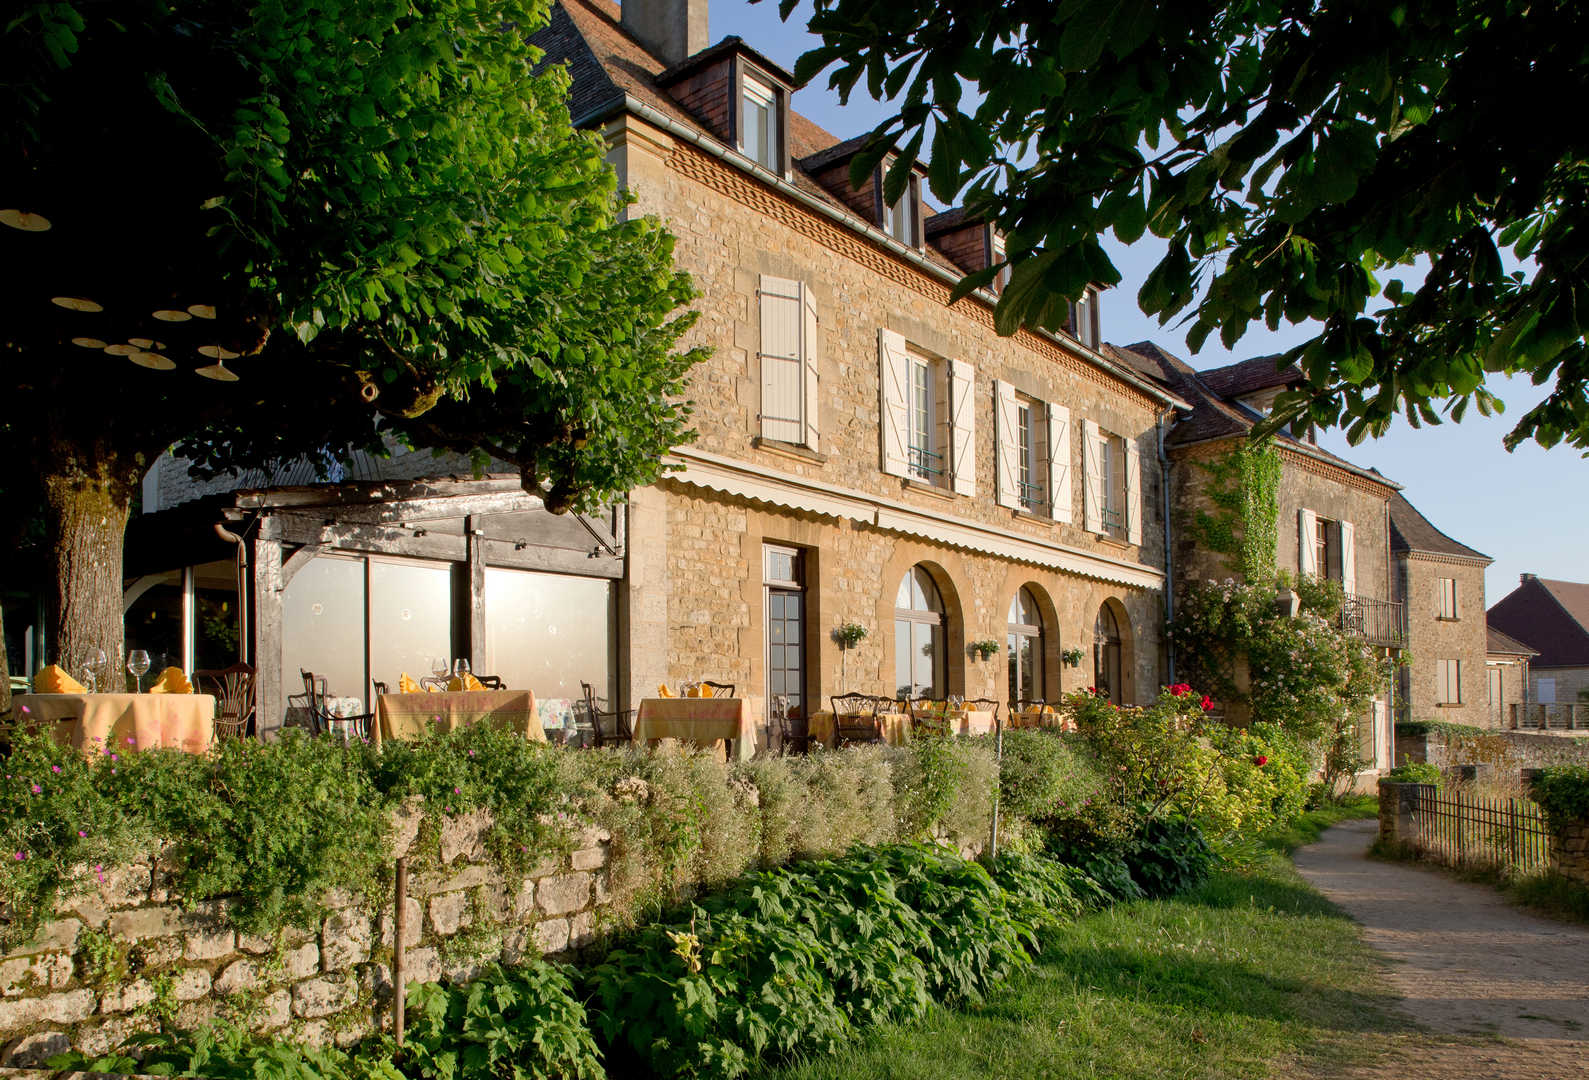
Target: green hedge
x=1416 y=772
x=1562 y=792
x=1438 y=727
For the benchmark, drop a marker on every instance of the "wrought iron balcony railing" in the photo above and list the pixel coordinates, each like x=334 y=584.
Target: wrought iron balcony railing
x=1380 y=622
x=925 y=463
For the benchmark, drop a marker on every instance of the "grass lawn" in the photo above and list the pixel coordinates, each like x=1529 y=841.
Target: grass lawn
x=1252 y=975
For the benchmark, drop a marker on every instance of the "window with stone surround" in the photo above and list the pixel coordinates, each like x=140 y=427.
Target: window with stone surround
x=790 y=332
x=1448 y=676
x=928 y=415
x=1448 y=598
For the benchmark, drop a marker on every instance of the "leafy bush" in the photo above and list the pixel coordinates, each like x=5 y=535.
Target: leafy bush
x=1169 y=856
x=1044 y=774
x=230 y=1052
x=1415 y=772
x=1562 y=792
x=522 y=1022
x=1440 y=727
x=793 y=960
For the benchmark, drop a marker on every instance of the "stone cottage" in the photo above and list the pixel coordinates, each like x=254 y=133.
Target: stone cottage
x=1551 y=617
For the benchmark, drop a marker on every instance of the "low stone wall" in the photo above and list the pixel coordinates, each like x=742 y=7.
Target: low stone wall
x=1502 y=751
x=121 y=959
x=1569 y=855
x=1395 y=815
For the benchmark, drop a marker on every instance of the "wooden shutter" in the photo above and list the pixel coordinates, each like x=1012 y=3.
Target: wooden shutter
x=782 y=368
x=1007 y=430
x=1348 y=557
x=811 y=353
x=893 y=385
x=1133 y=492
x=1091 y=477
x=962 y=427
x=1059 y=507
x=1307 y=529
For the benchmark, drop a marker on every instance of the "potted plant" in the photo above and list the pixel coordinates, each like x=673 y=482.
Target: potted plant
x=848 y=635
x=985 y=649
x=1072 y=657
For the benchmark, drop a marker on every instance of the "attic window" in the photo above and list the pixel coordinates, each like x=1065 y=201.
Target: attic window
x=899 y=220
x=1003 y=280
x=759 y=123
x=1084 y=319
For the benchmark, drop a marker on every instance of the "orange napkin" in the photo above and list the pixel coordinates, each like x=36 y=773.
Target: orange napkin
x=405 y=685
x=665 y=691
x=171 y=681
x=54 y=680
x=468 y=682
x=701 y=691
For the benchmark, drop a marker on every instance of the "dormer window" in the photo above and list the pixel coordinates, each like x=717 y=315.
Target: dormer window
x=900 y=220
x=758 y=129
x=1084 y=319
x=1003 y=280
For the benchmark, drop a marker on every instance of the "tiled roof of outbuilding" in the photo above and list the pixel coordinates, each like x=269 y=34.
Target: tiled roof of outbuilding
x=1550 y=615
x=1411 y=531
x=1499 y=644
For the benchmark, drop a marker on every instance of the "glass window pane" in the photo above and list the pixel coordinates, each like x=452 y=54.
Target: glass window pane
x=153 y=623
x=323 y=626
x=217 y=633
x=903 y=666
x=548 y=632
x=411 y=611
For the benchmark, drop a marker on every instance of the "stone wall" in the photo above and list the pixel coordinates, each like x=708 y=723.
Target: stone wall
x=116 y=961
x=1432 y=638
x=1503 y=752
x=1569 y=853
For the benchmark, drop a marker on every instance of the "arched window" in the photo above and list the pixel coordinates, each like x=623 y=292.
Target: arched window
x=1106 y=655
x=919 y=652
x=1025 y=641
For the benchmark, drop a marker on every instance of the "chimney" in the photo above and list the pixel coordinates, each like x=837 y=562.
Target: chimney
x=1526 y=578
x=671 y=29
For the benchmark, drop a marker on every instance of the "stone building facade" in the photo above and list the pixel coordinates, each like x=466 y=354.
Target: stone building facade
x=1552 y=618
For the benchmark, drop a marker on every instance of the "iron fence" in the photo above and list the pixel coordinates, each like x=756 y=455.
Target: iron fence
x=1545 y=716
x=1464 y=830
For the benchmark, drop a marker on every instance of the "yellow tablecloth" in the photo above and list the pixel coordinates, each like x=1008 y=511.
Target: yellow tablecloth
x=896 y=727
x=95 y=721
x=702 y=721
x=407 y=716
x=1048 y=717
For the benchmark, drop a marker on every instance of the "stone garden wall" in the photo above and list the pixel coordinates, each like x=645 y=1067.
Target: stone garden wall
x=1504 y=752
x=120 y=960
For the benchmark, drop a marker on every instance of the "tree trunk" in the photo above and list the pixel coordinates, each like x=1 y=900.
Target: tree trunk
x=88 y=496
x=5 y=669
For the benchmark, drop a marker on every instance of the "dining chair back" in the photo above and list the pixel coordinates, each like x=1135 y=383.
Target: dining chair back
x=380 y=688
x=609 y=726
x=718 y=689
x=233 y=688
x=433 y=682
x=322 y=722
x=855 y=719
x=794 y=732
x=985 y=704
x=492 y=682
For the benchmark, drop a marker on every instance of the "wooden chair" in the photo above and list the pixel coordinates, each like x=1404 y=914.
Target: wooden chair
x=985 y=704
x=492 y=682
x=718 y=689
x=380 y=688
x=233 y=688
x=794 y=733
x=608 y=726
x=314 y=688
x=855 y=719
x=928 y=716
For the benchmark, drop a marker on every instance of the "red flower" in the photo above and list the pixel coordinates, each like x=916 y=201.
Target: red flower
x=1260 y=761
x=1181 y=689
x=1208 y=703
x=1092 y=690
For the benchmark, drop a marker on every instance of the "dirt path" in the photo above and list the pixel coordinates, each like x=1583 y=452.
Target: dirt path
x=1503 y=993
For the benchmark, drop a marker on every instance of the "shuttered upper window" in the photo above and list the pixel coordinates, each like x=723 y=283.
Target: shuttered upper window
x=790 y=332
x=1449 y=672
x=1448 y=598
x=1112 y=492
x=1033 y=453
x=927 y=413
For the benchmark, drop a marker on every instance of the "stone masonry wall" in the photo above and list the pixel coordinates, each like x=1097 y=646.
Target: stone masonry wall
x=1569 y=854
x=1431 y=638
x=1503 y=751
x=115 y=961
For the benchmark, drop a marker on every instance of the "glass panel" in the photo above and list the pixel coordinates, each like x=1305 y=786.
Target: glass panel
x=153 y=623
x=775 y=631
x=902 y=594
x=548 y=632
x=216 y=637
x=902 y=657
x=1012 y=647
x=322 y=620
x=411 y=607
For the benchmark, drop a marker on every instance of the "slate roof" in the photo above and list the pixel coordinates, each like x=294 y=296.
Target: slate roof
x=1505 y=645
x=1411 y=531
x=1551 y=616
x=1214 y=414
x=1249 y=376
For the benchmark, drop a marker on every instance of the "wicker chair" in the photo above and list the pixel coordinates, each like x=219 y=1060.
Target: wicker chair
x=492 y=682
x=233 y=688
x=855 y=719
x=609 y=726
x=718 y=689
x=794 y=733
x=314 y=689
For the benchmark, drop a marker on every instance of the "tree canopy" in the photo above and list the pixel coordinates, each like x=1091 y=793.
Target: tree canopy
x=360 y=220
x=1409 y=175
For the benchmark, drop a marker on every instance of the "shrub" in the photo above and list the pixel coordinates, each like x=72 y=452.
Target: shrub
x=1415 y=772
x=230 y=1052
x=1169 y=856
x=1562 y=792
x=1045 y=774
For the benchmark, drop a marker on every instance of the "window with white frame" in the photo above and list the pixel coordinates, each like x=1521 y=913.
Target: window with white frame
x=1084 y=319
x=1111 y=482
x=927 y=409
x=1449 y=689
x=1448 y=598
x=924 y=446
x=790 y=332
x=1112 y=488
x=900 y=219
x=1033 y=453
x=1003 y=280
x=1033 y=491
x=758 y=129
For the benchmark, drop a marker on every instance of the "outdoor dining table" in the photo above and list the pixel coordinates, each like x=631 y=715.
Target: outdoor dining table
x=97 y=721
x=1047 y=717
x=701 y=721
x=896 y=726
x=408 y=716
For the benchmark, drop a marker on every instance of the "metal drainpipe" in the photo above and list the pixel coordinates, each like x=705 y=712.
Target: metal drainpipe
x=1169 y=556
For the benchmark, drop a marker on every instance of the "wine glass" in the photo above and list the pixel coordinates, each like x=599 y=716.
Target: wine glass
x=438 y=666
x=93 y=663
x=138 y=666
x=460 y=668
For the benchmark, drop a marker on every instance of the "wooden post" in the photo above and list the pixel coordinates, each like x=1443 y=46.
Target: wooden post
x=998 y=782
x=270 y=706
x=1461 y=855
x=399 y=934
x=476 y=555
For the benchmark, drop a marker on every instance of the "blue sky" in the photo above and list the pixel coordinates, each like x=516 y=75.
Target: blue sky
x=1525 y=509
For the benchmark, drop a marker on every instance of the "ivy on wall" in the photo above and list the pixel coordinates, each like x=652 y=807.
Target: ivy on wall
x=1244 y=487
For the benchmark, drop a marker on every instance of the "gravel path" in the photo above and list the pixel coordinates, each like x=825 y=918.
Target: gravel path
x=1503 y=993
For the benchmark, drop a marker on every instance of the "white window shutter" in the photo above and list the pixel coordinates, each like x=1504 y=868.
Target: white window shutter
x=1059 y=507
x=893 y=387
x=1133 y=492
x=811 y=350
x=963 y=427
x=1348 y=557
x=782 y=369
x=1307 y=527
x=1007 y=430
x=1091 y=477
